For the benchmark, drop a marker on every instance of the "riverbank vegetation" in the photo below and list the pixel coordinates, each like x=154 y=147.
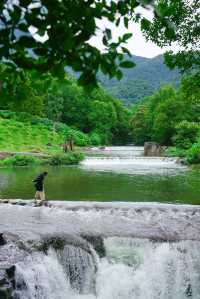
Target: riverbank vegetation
x=171 y=117
x=33 y=76
x=101 y=118
x=70 y=158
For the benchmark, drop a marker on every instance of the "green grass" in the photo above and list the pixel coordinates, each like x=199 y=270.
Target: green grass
x=38 y=136
x=16 y=136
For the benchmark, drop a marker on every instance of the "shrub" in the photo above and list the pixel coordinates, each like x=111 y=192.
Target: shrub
x=186 y=134
x=7 y=114
x=80 y=138
x=19 y=160
x=175 y=152
x=95 y=139
x=66 y=159
x=193 y=153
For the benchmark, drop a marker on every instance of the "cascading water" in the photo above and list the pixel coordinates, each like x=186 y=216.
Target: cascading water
x=56 y=275
x=131 y=269
x=127 y=264
x=128 y=159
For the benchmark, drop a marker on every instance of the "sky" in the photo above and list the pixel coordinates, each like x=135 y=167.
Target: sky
x=137 y=45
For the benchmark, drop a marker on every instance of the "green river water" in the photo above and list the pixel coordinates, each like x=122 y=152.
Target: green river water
x=121 y=174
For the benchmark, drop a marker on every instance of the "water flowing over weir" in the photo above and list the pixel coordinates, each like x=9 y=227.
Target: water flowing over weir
x=128 y=159
x=131 y=269
x=96 y=250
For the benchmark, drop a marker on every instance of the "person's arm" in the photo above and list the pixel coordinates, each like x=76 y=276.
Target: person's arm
x=39 y=178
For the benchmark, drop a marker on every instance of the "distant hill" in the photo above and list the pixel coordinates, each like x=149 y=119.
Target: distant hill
x=142 y=80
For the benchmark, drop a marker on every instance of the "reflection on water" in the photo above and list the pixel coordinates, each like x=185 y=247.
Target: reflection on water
x=126 y=177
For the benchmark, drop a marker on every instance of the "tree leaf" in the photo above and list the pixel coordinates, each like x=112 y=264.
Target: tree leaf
x=127 y=64
x=126 y=36
x=108 y=33
x=126 y=20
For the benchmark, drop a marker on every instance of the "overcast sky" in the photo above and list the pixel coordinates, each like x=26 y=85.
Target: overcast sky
x=137 y=44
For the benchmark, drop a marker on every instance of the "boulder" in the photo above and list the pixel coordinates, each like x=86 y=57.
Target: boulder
x=152 y=149
x=2 y=240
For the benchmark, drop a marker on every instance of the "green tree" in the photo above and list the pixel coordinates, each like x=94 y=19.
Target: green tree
x=176 y=21
x=61 y=31
x=140 y=130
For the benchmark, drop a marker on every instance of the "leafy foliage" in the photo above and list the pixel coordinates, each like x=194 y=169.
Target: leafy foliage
x=64 y=101
x=19 y=160
x=172 y=118
x=65 y=159
x=186 y=134
x=169 y=116
x=177 y=21
x=48 y=35
x=54 y=160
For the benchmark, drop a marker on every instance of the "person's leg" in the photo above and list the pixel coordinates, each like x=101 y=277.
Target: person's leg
x=42 y=196
x=37 y=196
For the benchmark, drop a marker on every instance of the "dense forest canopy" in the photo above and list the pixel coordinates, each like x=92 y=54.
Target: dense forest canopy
x=144 y=79
x=39 y=39
x=171 y=117
x=66 y=27
x=95 y=113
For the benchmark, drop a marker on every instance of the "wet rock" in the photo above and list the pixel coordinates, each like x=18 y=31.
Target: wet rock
x=188 y=291
x=6 y=293
x=2 y=240
x=5 y=201
x=182 y=161
x=57 y=243
x=97 y=243
x=6 y=285
x=11 y=271
x=152 y=149
x=4 y=155
x=22 y=203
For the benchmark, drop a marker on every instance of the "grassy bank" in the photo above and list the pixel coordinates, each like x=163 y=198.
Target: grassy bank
x=30 y=136
x=54 y=160
x=40 y=136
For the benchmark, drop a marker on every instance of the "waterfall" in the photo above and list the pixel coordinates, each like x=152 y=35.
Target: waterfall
x=128 y=160
x=131 y=269
x=56 y=275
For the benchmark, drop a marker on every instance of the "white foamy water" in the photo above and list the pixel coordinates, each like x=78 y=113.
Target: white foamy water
x=117 y=151
x=129 y=160
x=132 y=269
x=136 y=263
x=137 y=165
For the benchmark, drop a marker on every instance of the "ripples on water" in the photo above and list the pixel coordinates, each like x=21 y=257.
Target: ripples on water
x=110 y=174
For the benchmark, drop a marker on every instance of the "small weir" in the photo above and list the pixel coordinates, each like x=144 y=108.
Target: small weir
x=129 y=159
x=100 y=251
x=97 y=250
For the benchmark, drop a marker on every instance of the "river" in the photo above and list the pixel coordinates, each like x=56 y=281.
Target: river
x=73 y=249
x=110 y=174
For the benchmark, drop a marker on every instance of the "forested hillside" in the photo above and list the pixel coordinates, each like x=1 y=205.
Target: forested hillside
x=171 y=117
x=103 y=118
x=147 y=76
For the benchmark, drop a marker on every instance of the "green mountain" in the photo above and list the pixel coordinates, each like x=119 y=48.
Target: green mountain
x=142 y=80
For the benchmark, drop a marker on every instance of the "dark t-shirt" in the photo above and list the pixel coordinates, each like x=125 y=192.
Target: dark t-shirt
x=39 y=182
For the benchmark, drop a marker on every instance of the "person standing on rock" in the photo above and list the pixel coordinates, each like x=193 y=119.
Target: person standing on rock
x=39 y=186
